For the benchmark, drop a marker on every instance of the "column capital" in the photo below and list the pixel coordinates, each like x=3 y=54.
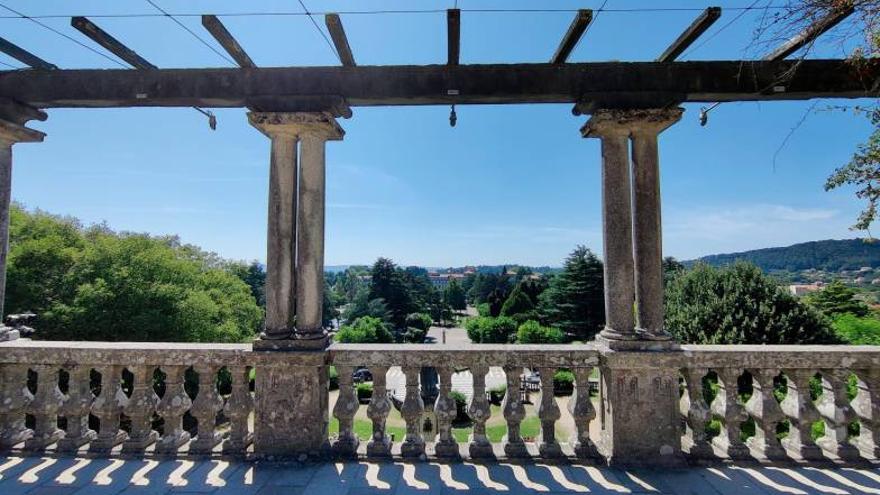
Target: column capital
x=12 y=133
x=611 y=122
x=297 y=124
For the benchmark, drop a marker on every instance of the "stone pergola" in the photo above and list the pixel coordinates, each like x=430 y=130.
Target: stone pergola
x=629 y=103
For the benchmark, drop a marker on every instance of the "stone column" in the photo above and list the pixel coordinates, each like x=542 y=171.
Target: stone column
x=281 y=229
x=10 y=133
x=647 y=236
x=291 y=406
x=613 y=130
x=310 y=225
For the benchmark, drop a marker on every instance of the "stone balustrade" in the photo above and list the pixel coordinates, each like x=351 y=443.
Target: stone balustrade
x=775 y=403
x=378 y=358
x=769 y=402
x=116 y=383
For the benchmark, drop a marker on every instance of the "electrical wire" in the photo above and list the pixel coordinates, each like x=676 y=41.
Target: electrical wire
x=320 y=31
x=382 y=12
x=190 y=31
x=59 y=33
x=720 y=30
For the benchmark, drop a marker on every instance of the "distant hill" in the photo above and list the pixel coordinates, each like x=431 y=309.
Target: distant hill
x=829 y=255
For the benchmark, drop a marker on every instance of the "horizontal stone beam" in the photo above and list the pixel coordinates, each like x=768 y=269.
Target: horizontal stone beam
x=608 y=84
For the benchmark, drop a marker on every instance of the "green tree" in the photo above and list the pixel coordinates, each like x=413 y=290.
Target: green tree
x=361 y=305
x=254 y=275
x=388 y=284
x=739 y=305
x=366 y=330
x=575 y=303
x=517 y=303
x=857 y=331
x=488 y=330
x=836 y=299
x=95 y=284
x=454 y=296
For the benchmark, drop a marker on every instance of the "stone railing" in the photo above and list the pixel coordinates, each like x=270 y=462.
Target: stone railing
x=687 y=403
x=115 y=382
x=780 y=403
x=546 y=359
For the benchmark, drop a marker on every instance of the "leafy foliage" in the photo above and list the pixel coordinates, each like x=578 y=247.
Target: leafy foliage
x=574 y=302
x=96 y=284
x=739 y=305
x=517 y=303
x=531 y=332
x=389 y=285
x=365 y=330
x=454 y=296
x=857 y=330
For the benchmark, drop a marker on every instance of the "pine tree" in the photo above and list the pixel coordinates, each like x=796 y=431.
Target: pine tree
x=836 y=299
x=575 y=301
x=517 y=303
x=388 y=284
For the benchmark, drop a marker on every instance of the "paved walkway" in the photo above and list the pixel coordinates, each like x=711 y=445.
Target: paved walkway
x=63 y=476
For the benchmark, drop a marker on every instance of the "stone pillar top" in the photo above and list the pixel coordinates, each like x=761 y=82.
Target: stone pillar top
x=297 y=124
x=607 y=122
x=15 y=133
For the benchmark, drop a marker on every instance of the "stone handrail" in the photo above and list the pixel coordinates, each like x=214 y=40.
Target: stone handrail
x=766 y=368
x=653 y=401
x=581 y=359
x=25 y=363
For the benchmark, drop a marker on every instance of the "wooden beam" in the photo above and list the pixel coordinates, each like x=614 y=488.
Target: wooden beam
x=337 y=34
x=227 y=41
x=453 y=36
x=576 y=30
x=809 y=34
x=603 y=83
x=110 y=43
x=694 y=31
x=24 y=56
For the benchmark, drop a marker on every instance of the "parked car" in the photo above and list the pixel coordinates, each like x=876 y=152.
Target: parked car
x=361 y=375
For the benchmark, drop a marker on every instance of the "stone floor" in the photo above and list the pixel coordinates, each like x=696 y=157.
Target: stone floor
x=62 y=476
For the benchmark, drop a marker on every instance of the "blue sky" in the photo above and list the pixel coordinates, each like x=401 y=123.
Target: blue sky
x=509 y=184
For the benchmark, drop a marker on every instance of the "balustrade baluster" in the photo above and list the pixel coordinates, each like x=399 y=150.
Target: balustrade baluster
x=47 y=402
x=582 y=411
x=549 y=414
x=107 y=407
x=764 y=409
x=413 y=445
x=479 y=411
x=514 y=413
x=238 y=408
x=696 y=414
x=14 y=400
x=140 y=408
x=174 y=404
x=205 y=408
x=344 y=411
x=727 y=406
x=445 y=410
x=377 y=411
x=836 y=412
x=76 y=409
x=867 y=407
x=801 y=413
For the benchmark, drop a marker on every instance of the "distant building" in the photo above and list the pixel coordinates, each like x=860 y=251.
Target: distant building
x=441 y=280
x=804 y=289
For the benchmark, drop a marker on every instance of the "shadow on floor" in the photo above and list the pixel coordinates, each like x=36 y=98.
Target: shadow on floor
x=60 y=476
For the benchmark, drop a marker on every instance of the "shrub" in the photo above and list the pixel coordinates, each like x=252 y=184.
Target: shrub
x=531 y=332
x=365 y=330
x=483 y=309
x=333 y=380
x=364 y=391
x=414 y=335
x=420 y=321
x=496 y=394
x=857 y=330
x=488 y=330
x=563 y=382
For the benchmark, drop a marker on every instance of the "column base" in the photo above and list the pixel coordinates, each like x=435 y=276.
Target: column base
x=379 y=448
x=346 y=448
x=204 y=445
x=447 y=450
x=40 y=442
x=169 y=445
x=104 y=444
x=138 y=445
x=515 y=450
x=609 y=333
x=237 y=447
x=480 y=449
x=644 y=334
x=843 y=451
x=412 y=449
x=800 y=451
x=292 y=344
x=635 y=345
x=14 y=436
x=72 y=444
x=8 y=333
